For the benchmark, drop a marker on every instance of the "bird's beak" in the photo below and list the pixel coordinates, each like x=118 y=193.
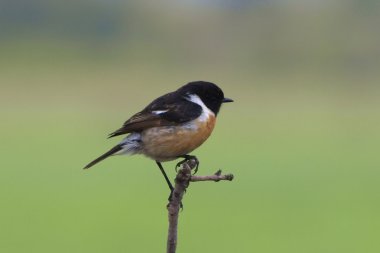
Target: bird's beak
x=227 y=100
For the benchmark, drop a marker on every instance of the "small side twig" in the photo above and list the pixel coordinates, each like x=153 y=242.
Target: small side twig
x=182 y=181
x=216 y=177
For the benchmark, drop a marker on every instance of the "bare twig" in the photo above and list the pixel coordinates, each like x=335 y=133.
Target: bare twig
x=182 y=181
x=216 y=177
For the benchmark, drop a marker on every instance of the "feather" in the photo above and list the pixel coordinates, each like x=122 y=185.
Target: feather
x=104 y=156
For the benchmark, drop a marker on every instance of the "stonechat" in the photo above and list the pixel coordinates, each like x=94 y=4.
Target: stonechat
x=171 y=126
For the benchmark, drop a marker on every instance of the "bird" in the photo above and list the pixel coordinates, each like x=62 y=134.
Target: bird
x=171 y=126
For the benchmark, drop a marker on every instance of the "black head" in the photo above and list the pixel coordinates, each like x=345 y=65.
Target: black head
x=210 y=94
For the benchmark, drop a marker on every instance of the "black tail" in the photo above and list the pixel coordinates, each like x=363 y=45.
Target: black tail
x=118 y=132
x=104 y=156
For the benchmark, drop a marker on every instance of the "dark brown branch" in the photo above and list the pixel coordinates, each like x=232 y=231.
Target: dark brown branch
x=182 y=181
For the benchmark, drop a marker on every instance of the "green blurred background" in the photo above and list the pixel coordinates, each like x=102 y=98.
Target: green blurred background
x=302 y=137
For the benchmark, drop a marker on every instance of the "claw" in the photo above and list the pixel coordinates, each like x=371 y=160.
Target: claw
x=187 y=158
x=196 y=167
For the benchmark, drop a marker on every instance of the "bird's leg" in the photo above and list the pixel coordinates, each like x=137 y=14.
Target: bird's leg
x=167 y=180
x=187 y=158
x=165 y=176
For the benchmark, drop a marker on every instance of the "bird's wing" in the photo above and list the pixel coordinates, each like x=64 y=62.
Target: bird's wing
x=164 y=111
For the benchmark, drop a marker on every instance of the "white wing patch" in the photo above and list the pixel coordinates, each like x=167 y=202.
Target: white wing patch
x=206 y=113
x=159 y=112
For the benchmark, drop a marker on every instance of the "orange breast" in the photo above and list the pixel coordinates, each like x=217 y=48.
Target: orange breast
x=167 y=143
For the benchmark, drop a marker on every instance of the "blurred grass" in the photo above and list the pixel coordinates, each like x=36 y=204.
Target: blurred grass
x=305 y=162
x=302 y=137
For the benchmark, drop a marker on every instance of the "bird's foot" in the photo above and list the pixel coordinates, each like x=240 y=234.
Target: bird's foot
x=187 y=158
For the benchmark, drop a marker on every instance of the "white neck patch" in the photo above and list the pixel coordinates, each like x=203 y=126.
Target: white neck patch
x=206 y=113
